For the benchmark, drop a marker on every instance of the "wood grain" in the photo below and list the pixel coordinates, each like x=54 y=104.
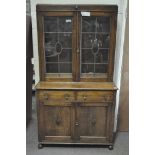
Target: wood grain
x=76 y=85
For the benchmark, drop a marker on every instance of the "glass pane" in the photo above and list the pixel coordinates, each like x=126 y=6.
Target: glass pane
x=87 y=40
x=100 y=68
x=66 y=56
x=102 y=56
x=50 y=42
x=87 y=68
x=52 y=68
x=65 y=24
x=87 y=56
x=66 y=40
x=95 y=39
x=94 y=68
x=52 y=59
x=58 y=44
x=103 y=40
x=88 y=24
x=103 y=24
x=50 y=24
x=65 y=68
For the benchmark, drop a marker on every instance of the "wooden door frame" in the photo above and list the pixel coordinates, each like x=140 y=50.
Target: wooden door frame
x=113 y=24
x=40 y=18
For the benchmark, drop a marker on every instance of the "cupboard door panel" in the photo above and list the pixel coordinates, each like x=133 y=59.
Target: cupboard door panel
x=93 y=122
x=55 y=123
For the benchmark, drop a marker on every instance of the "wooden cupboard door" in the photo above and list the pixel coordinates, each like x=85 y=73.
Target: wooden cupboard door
x=55 y=123
x=93 y=122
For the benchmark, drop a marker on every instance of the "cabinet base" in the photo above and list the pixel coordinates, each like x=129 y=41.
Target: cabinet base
x=42 y=144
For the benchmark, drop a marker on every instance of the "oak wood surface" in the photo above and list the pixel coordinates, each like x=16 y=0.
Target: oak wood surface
x=105 y=8
x=77 y=85
x=77 y=119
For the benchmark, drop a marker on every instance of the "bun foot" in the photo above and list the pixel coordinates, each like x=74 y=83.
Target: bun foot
x=110 y=147
x=40 y=146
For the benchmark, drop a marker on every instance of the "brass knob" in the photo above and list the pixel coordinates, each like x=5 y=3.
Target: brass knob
x=84 y=97
x=76 y=123
x=58 y=121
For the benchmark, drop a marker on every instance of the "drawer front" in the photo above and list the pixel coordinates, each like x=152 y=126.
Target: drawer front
x=56 y=97
x=95 y=96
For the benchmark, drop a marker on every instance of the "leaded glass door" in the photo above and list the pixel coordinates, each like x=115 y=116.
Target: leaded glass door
x=76 y=46
x=57 y=45
x=96 y=51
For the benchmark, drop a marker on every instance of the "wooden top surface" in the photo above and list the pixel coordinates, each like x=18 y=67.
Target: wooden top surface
x=76 y=85
x=91 y=7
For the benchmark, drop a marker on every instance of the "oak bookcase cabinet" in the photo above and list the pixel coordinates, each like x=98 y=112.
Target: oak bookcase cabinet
x=76 y=93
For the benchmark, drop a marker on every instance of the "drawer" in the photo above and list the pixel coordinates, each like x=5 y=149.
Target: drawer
x=95 y=96
x=53 y=97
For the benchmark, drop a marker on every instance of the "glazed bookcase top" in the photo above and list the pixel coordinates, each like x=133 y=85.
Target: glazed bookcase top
x=105 y=8
x=76 y=43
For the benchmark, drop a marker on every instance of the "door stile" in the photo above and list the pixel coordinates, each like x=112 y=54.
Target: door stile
x=74 y=46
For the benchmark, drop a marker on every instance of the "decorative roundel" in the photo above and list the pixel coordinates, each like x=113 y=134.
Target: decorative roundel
x=58 y=48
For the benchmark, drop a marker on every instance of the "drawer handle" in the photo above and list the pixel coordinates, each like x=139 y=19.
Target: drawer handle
x=84 y=97
x=66 y=97
x=76 y=123
x=58 y=121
